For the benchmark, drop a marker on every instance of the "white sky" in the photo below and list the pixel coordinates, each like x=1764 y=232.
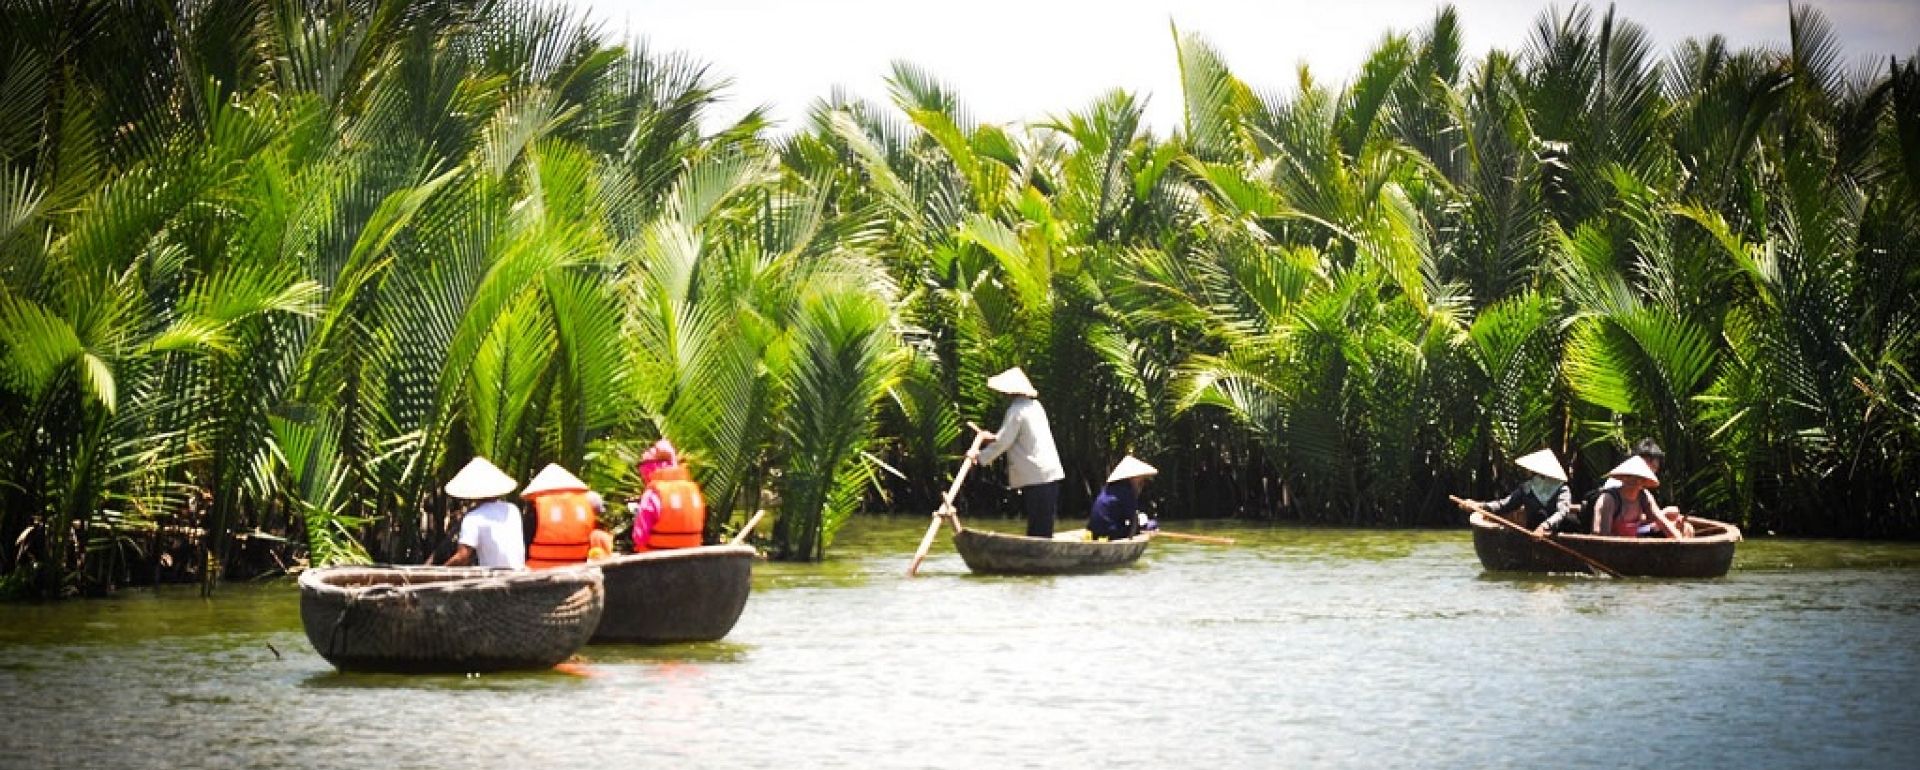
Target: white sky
x=1015 y=60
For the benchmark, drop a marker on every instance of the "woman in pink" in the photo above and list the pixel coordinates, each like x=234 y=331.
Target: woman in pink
x=646 y=513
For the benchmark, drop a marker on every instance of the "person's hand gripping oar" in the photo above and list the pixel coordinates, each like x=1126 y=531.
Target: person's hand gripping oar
x=946 y=501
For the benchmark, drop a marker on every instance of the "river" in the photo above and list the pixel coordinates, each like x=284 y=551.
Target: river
x=1296 y=647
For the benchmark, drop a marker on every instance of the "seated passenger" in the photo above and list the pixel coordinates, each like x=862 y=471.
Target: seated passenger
x=1626 y=509
x=1675 y=523
x=1116 y=512
x=565 y=520
x=672 y=513
x=1542 y=503
x=490 y=534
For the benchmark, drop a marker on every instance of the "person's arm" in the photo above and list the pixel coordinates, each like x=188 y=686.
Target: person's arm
x=645 y=515
x=1004 y=438
x=1603 y=513
x=1562 y=508
x=1664 y=519
x=463 y=554
x=461 y=557
x=1512 y=501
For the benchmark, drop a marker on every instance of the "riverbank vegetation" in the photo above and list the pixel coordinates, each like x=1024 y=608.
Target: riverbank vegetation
x=271 y=269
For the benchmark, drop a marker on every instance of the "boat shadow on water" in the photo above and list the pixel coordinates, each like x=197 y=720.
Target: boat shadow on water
x=499 y=681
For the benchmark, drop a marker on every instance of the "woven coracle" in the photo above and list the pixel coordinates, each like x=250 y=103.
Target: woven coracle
x=449 y=619
x=682 y=595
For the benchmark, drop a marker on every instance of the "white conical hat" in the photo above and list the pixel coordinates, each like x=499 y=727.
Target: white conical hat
x=1638 y=468
x=1131 y=467
x=1545 y=463
x=480 y=480
x=553 y=478
x=1013 y=382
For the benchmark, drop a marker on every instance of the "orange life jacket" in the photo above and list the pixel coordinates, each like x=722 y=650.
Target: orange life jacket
x=683 y=511
x=563 y=532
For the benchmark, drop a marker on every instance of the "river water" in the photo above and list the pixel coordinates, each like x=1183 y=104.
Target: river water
x=1293 y=648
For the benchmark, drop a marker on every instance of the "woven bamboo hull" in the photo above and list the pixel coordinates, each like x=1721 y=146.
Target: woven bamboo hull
x=448 y=620
x=992 y=553
x=682 y=595
x=1708 y=554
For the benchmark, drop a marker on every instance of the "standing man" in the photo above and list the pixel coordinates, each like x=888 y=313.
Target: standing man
x=1033 y=465
x=490 y=533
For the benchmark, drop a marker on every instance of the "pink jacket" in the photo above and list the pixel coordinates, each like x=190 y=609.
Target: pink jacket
x=646 y=513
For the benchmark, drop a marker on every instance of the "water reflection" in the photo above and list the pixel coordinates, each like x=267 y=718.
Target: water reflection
x=1319 y=647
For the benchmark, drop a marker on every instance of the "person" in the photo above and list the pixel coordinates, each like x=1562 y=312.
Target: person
x=1627 y=509
x=672 y=513
x=1675 y=523
x=1116 y=511
x=1033 y=464
x=600 y=543
x=1542 y=503
x=490 y=534
x=1646 y=450
x=566 y=523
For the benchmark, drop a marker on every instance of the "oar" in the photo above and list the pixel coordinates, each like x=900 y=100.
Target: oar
x=741 y=536
x=1194 y=538
x=946 y=501
x=1502 y=521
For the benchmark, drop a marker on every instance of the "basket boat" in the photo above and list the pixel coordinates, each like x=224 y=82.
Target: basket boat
x=993 y=553
x=449 y=619
x=1708 y=554
x=679 y=595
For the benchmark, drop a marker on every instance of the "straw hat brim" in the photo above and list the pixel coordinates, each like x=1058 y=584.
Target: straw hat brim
x=1636 y=467
x=1013 y=382
x=1545 y=463
x=553 y=478
x=1129 y=468
x=480 y=480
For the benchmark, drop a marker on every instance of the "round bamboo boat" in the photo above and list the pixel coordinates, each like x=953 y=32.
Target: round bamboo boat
x=680 y=595
x=449 y=619
x=1708 y=554
x=992 y=553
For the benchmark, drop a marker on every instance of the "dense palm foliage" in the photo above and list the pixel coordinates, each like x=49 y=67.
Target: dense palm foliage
x=269 y=269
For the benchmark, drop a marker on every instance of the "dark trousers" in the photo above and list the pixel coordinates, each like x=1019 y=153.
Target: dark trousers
x=1041 y=502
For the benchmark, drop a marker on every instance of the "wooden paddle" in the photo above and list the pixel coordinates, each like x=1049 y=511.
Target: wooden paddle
x=1502 y=521
x=946 y=502
x=1194 y=538
x=741 y=536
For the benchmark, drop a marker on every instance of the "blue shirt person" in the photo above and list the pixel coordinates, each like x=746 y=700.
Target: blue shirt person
x=1116 y=512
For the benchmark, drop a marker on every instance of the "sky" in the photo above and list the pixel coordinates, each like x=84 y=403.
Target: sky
x=1023 y=60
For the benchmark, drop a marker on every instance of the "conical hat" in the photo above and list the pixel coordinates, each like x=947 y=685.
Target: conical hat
x=1545 y=463
x=553 y=478
x=1130 y=467
x=1013 y=382
x=479 y=481
x=1637 y=468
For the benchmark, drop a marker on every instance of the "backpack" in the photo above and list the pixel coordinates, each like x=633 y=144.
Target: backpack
x=1591 y=500
x=1581 y=519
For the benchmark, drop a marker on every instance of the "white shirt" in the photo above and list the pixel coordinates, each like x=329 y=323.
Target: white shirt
x=492 y=530
x=1028 y=444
